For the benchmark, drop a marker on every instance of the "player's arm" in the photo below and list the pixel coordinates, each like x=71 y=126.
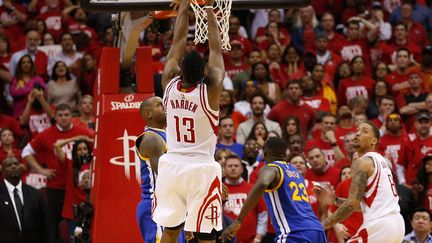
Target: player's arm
x=216 y=67
x=361 y=170
x=269 y=177
x=152 y=147
x=177 y=49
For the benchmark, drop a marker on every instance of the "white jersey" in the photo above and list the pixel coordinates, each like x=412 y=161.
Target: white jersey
x=191 y=123
x=380 y=198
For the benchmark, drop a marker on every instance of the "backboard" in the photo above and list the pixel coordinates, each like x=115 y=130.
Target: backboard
x=140 y=5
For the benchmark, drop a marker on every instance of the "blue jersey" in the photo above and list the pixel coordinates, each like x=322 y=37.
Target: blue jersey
x=148 y=178
x=288 y=204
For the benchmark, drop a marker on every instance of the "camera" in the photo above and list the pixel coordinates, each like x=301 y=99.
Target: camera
x=85 y=158
x=83 y=214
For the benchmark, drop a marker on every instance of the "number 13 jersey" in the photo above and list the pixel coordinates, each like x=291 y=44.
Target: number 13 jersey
x=191 y=123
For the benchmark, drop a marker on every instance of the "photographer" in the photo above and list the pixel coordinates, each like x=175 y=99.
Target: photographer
x=77 y=182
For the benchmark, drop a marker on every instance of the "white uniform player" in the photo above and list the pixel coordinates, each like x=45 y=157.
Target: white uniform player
x=189 y=185
x=382 y=221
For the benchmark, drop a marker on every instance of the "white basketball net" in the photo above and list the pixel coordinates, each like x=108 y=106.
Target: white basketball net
x=222 y=12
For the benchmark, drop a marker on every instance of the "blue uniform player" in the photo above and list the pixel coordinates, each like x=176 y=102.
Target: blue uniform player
x=150 y=145
x=286 y=199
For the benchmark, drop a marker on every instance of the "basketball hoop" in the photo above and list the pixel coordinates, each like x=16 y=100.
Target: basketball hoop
x=222 y=10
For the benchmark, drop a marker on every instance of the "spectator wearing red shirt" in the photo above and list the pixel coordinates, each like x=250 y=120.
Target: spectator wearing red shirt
x=38 y=113
x=235 y=62
x=33 y=40
x=77 y=166
x=416 y=32
x=273 y=35
x=386 y=107
x=422 y=143
x=323 y=88
x=11 y=123
x=357 y=85
x=13 y=16
x=86 y=118
x=396 y=146
x=345 y=123
x=75 y=18
x=254 y=224
x=41 y=147
x=349 y=149
x=426 y=67
x=293 y=105
x=291 y=67
x=327 y=141
x=401 y=40
x=87 y=74
x=335 y=40
x=7 y=148
x=310 y=96
x=5 y=50
x=412 y=102
x=234 y=35
x=349 y=226
x=226 y=108
x=53 y=19
x=320 y=171
x=398 y=79
x=356 y=45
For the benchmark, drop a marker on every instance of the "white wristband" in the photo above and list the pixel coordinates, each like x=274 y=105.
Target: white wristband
x=208 y=6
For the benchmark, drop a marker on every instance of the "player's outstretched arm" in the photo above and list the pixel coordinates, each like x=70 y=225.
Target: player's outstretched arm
x=269 y=175
x=153 y=147
x=216 y=67
x=177 y=49
x=361 y=168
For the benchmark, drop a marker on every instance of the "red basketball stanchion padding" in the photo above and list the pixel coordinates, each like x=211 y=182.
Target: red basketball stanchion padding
x=115 y=189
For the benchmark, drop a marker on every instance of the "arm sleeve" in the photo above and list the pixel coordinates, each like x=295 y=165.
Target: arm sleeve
x=400 y=172
x=262 y=222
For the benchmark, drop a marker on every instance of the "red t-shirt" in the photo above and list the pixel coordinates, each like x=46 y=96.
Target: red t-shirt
x=334 y=44
x=421 y=148
x=325 y=147
x=303 y=112
x=42 y=144
x=75 y=28
x=231 y=70
x=74 y=194
x=353 y=48
x=389 y=51
x=317 y=103
x=281 y=76
x=350 y=88
x=237 y=195
x=247 y=46
x=341 y=132
x=38 y=122
x=418 y=35
x=54 y=23
x=313 y=200
x=331 y=175
x=355 y=220
x=396 y=148
x=15 y=27
x=398 y=82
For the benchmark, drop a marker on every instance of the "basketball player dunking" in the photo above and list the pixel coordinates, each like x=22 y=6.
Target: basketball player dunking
x=188 y=188
x=373 y=189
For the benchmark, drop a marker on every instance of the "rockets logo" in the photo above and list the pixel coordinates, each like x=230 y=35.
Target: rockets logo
x=128 y=143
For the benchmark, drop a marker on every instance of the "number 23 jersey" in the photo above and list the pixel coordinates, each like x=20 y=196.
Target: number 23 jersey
x=288 y=202
x=191 y=123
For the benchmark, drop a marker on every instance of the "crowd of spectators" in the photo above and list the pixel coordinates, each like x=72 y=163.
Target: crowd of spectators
x=308 y=75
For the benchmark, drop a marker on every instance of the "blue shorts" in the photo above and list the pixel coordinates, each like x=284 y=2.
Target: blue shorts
x=305 y=236
x=150 y=231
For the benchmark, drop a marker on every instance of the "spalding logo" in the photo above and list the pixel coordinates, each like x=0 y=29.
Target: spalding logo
x=127 y=104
